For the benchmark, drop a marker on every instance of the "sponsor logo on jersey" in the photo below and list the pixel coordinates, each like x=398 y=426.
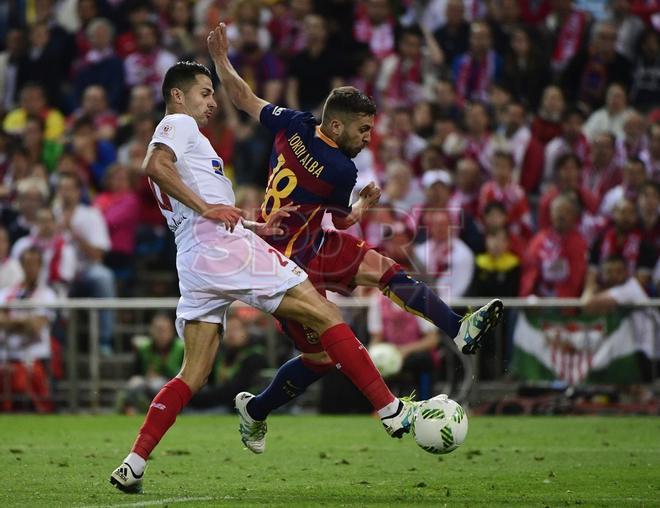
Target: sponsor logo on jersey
x=217 y=167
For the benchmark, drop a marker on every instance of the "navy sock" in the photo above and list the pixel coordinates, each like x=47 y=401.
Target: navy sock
x=419 y=299
x=291 y=380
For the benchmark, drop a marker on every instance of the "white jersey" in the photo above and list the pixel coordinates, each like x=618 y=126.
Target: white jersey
x=200 y=168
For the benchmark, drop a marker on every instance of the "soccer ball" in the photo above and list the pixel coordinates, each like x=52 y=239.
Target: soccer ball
x=440 y=425
x=386 y=358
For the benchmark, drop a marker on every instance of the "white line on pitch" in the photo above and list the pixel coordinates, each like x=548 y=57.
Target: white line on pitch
x=155 y=502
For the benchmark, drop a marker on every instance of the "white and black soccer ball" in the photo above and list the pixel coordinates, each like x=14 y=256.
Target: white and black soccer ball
x=440 y=425
x=386 y=358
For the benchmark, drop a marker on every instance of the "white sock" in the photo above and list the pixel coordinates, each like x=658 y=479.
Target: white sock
x=389 y=410
x=136 y=462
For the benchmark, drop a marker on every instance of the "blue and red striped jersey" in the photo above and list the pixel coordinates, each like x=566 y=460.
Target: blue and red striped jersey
x=307 y=169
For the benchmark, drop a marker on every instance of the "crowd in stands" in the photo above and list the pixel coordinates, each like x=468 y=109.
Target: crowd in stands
x=517 y=142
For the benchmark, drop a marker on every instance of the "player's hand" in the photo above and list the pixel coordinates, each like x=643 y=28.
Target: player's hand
x=272 y=226
x=224 y=214
x=370 y=194
x=217 y=42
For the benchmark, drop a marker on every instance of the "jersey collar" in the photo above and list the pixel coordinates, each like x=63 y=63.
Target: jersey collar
x=324 y=138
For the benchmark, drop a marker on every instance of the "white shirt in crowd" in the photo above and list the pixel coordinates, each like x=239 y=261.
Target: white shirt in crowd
x=11 y=273
x=88 y=223
x=67 y=263
x=17 y=346
x=454 y=281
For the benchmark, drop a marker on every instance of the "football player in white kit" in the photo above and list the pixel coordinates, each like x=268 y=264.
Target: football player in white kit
x=220 y=259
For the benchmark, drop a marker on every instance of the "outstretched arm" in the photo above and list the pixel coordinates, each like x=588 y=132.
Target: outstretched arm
x=237 y=89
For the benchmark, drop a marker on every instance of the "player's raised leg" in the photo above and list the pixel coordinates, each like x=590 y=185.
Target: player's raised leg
x=416 y=297
x=306 y=306
x=201 y=346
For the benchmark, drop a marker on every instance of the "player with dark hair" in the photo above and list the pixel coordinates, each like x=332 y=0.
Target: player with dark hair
x=311 y=168
x=218 y=265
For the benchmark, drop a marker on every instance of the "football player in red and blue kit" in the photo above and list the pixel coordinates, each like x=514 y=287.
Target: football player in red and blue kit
x=311 y=172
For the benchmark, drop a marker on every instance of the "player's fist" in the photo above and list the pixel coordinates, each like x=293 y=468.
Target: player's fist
x=217 y=42
x=370 y=193
x=224 y=214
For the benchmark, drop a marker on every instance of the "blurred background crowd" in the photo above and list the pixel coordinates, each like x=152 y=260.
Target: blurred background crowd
x=517 y=142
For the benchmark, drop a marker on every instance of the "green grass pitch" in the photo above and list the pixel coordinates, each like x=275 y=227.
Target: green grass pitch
x=334 y=461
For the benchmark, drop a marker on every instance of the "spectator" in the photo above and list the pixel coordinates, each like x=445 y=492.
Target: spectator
x=92 y=155
x=437 y=185
x=616 y=288
x=88 y=231
x=651 y=156
x=468 y=182
x=605 y=171
x=366 y=73
x=479 y=67
x=634 y=176
x=178 y=36
x=547 y=124
x=623 y=237
x=148 y=64
x=237 y=368
x=286 y=27
x=453 y=36
x=32 y=194
x=40 y=150
x=629 y=27
x=555 y=261
x=315 y=70
x=514 y=136
x=58 y=265
x=571 y=140
x=262 y=70
x=136 y=12
x=120 y=206
x=504 y=190
x=401 y=127
x=141 y=103
x=404 y=75
x=478 y=134
x=497 y=271
x=634 y=140
x=33 y=102
x=11 y=272
x=12 y=68
x=648 y=203
x=494 y=219
x=566 y=29
x=87 y=11
x=593 y=70
x=611 y=117
x=375 y=26
x=445 y=257
x=524 y=71
x=401 y=189
x=95 y=106
x=446 y=105
x=158 y=358
x=646 y=75
x=100 y=65
x=567 y=178
x=25 y=336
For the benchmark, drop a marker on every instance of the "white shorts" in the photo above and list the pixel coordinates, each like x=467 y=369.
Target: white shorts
x=228 y=267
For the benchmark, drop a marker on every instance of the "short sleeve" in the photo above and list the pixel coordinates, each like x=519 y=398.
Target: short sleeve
x=339 y=202
x=178 y=132
x=277 y=118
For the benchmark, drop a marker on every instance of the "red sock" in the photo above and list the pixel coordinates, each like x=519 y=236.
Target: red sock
x=343 y=347
x=165 y=407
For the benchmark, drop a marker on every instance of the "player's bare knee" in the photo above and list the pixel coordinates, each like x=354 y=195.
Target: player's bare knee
x=324 y=315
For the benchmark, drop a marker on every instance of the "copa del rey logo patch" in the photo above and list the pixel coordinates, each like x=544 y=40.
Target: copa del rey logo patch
x=168 y=131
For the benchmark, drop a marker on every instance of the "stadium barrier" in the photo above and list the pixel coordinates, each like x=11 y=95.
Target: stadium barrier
x=558 y=338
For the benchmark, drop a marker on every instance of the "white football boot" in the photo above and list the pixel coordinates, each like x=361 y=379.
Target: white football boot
x=253 y=432
x=126 y=480
x=402 y=421
x=475 y=325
